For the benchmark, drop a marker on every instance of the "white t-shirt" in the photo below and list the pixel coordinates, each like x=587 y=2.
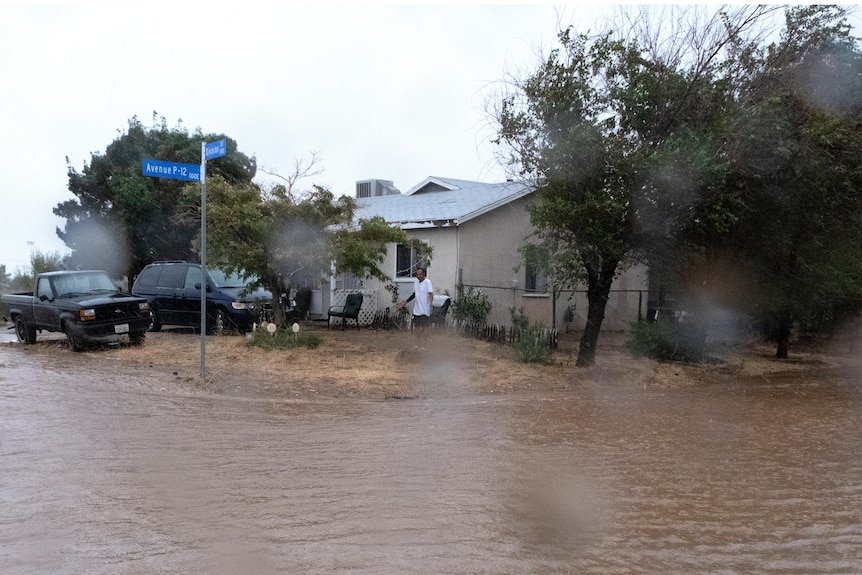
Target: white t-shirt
x=421 y=306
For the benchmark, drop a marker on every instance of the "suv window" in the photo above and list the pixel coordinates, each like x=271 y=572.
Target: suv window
x=149 y=276
x=173 y=276
x=193 y=278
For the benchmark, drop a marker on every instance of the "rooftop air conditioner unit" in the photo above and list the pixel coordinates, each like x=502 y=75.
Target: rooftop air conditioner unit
x=374 y=188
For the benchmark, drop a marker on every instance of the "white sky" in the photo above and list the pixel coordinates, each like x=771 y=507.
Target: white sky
x=389 y=91
x=379 y=91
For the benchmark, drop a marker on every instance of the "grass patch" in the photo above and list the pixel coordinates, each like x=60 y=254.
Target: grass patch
x=283 y=339
x=668 y=341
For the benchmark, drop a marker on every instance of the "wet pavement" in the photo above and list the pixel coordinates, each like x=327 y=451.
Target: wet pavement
x=121 y=471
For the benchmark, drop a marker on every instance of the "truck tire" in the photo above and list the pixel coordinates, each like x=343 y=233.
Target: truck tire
x=76 y=343
x=137 y=337
x=155 y=324
x=25 y=332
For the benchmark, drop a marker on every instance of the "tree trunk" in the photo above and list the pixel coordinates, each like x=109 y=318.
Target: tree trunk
x=277 y=311
x=782 y=335
x=598 y=289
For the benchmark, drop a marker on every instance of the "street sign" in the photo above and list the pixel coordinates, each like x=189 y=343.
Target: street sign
x=172 y=170
x=215 y=149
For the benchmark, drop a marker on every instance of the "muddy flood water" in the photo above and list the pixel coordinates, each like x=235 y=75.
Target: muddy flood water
x=106 y=471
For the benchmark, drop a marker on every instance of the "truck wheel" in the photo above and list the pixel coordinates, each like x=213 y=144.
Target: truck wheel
x=155 y=324
x=76 y=343
x=137 y=338
x=25 y=333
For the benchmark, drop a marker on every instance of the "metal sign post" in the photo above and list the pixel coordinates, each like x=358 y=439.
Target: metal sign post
x=203 y=262
x=208 y=152
x=191 y=172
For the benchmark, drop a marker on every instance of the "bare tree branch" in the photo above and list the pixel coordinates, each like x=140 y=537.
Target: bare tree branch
x=303 y=168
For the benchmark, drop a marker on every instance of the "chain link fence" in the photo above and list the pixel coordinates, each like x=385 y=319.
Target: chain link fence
x=565 y=310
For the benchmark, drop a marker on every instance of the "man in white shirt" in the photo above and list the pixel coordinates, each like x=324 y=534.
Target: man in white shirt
x=423 y=293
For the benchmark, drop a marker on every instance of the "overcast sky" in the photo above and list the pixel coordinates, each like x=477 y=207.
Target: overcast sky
x=382 y=91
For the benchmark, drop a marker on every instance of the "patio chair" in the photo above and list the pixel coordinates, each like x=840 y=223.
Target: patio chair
x=350 y=310
x=439 y=309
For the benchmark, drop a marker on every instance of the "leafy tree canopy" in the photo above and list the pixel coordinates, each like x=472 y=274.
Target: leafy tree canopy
x=599 y=128
x=796 y=148
x=706 y=153
x=120 y=220
x=281 y=238
x=24 y=279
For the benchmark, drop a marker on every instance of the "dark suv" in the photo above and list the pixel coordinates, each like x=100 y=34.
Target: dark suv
x=174 y=292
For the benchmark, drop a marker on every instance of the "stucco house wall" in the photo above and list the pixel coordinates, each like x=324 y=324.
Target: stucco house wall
x=489 y=246
x=481 y=247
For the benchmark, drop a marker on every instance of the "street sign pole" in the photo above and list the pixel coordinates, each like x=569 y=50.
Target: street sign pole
x=203 y=261
x=175 y=171
x=209 y=151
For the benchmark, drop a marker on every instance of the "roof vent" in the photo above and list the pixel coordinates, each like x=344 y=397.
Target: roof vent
x=373 y=188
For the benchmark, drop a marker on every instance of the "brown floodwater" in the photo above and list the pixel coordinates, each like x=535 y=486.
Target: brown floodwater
x=119 y=471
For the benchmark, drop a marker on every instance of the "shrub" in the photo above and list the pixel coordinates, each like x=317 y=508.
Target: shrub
x=530 y=341
x=471 y=305
x=668 y=341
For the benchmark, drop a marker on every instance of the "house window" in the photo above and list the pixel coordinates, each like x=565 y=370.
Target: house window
x=407 y=258
x=535 y=280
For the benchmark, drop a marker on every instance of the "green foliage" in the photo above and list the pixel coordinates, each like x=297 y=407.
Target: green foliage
x=284 y=238
x=361 y=250
x=731 y=168
x=530 y=341
x=796 y=168
x=668 y=341
x=470 y=305
x=40 y=262
x=121 y=220
x=393 y=292
x=5 y=279
x=283 y=339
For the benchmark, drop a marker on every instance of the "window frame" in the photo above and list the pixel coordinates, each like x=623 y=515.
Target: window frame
x=416 y=258
x=535 y=281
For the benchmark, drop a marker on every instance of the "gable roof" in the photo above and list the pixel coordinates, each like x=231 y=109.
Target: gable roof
x=441 y=202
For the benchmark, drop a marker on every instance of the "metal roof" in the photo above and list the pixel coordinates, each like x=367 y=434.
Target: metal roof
x=441 y=202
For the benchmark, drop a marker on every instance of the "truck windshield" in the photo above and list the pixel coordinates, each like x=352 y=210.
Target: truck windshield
x=73 y=285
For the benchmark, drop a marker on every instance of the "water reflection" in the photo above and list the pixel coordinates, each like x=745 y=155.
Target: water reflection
x=122 y=472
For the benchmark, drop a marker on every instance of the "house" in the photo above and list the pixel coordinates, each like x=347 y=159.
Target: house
x=475 y=230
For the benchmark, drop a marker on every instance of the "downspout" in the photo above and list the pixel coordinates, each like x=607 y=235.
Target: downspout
x=458 y=269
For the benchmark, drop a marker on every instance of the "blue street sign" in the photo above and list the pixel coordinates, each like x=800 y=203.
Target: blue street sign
x=171 y=170
x=215 y=149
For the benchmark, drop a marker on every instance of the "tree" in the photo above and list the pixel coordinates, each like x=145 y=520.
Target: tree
x=274 y=237
x=797 y=153
x=40 y=262
x=122 y=220
x=773 y=230
x=597 y=129
x=5 y=279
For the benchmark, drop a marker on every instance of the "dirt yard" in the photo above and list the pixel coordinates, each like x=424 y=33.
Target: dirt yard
x=391 y=364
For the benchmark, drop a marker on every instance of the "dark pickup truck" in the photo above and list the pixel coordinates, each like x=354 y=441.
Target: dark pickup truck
x=85 y=305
